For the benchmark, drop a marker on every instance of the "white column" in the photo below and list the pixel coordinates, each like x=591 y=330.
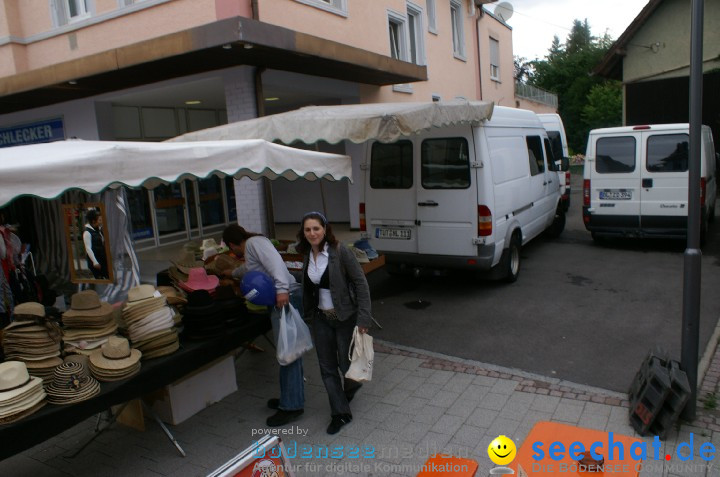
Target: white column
x=241 y=104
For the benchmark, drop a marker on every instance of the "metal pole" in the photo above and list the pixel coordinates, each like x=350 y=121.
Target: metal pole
x=693 y=255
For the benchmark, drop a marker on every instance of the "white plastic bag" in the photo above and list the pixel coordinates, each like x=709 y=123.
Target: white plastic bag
x=293 y=336
x=361 y=357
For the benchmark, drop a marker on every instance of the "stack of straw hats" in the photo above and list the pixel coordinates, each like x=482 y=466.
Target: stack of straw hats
x=203 y=317
x=20 y=393
x=181 y=266
x=150 y=322
x=88 y=323
x=33 y=339
x=115 y=361
x=72 y=383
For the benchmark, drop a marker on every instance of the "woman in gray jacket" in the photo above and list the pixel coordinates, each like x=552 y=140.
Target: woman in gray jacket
x=337 y=298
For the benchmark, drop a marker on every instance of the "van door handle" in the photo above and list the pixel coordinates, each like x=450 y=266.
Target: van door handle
x=428 y=203
x=647 y=183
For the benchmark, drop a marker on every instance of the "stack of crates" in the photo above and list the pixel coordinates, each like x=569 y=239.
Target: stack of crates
x=657 y=395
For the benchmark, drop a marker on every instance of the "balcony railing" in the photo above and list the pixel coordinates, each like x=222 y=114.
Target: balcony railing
x=538 y=95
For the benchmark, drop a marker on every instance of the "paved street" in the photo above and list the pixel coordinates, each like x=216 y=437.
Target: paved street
x=582 y=312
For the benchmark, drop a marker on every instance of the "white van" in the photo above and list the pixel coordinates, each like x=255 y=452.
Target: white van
x=635 y=181
x=556 y=133
x=462 y=196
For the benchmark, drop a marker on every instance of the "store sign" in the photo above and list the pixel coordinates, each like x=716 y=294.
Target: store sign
x=33 y=133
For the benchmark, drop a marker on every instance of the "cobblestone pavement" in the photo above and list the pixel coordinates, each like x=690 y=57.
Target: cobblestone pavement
x=417 y=404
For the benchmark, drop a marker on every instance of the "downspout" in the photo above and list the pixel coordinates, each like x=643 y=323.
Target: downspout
x=255 y=9
x=477 y=45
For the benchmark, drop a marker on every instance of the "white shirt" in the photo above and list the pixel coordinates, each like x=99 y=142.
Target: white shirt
x=315 y=272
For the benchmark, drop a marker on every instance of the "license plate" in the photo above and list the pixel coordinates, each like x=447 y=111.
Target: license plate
x=616 y=194
x=397 y=234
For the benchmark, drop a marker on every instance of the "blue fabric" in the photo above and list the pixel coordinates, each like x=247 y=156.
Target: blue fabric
x=292 y=389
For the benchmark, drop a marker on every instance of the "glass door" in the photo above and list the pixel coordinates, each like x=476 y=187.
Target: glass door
x=170 y=213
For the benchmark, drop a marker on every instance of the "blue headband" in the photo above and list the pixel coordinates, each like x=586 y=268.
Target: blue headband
x=322 y=217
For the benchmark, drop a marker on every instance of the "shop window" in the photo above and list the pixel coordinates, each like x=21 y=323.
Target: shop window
x=458 y=33
x=211 y=201
x=494 y=59
x=338 y=7
x=140 y=214
x=230 y=198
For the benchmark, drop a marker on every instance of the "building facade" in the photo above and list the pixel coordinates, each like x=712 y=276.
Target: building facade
x=149 y=70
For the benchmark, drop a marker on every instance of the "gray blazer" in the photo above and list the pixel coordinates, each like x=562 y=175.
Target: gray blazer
x=348 y=287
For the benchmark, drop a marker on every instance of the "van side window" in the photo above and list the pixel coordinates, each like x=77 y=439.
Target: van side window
x=391 y=165
x=551 y=156
x=535 y=155
x=615 y=155
x=556 y=143
x=668 y=153
x=445 y=163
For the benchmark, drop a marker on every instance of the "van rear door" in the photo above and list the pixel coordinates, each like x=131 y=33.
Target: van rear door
x=390 y=202
x=446 y=193
x=615 y=180
x=664 y=180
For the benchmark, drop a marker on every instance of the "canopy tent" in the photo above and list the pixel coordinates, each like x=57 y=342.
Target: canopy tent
x=385 y=122
x=47 y=170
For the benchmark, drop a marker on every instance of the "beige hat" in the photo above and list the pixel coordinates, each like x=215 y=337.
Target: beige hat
x=140 y=293
x=15 y=380
x=116 y=354
x=186 y=261
x=87 y=303
x=172 y=295
x=222 y=263
x=30 y=308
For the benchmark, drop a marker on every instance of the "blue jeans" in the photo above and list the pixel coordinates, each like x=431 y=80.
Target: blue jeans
x=332 y=344
x=292 y=389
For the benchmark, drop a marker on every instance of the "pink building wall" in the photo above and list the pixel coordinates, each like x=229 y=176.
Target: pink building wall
x=502 y=92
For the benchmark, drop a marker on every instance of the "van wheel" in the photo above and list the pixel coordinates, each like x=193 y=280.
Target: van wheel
x=511 y=260
x=558 y=225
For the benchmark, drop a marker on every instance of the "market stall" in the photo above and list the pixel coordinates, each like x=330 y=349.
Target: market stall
x=48 y=172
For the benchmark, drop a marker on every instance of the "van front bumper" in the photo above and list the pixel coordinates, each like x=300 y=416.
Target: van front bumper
x=482 y=261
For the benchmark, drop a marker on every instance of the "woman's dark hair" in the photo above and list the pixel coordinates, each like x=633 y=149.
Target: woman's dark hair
x=235 y=234
x=303 y=245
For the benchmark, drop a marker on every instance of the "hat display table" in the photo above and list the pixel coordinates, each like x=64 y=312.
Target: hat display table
x=154 y=374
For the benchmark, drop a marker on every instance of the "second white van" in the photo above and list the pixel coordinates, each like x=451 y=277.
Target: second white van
x=635 y=181
x=462 y=196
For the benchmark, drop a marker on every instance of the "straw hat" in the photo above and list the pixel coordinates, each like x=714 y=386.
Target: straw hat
x=29 y=309
x=140 y=293
x=172 y=295
x=15 y=381
x=71 y=383
x=87 y=303
x=222 y=263
x=116 y=354
x=198 y=279
x=186 y=261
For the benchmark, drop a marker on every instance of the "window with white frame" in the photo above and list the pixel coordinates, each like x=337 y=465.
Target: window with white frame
x=338 y=7
x=494 y=59
x=416 y=53
x=68 y=11
x=458 y=35
x=397 y=34
x=432 y=18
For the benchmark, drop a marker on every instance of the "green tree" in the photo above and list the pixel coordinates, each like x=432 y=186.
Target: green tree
x=567 y=72
x=604 y=105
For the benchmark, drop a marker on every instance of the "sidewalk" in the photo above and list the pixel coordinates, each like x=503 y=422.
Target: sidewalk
x=418 y=403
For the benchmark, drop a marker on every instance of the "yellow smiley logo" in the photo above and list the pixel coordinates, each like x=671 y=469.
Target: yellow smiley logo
x=502 y=450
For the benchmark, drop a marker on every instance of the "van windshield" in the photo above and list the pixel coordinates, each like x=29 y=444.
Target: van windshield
x=615 y=155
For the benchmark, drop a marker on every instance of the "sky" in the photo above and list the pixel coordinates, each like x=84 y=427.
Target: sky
x=534 y=22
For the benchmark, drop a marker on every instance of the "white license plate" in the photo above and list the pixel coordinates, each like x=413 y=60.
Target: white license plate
x=399 y=234
x=616 y=194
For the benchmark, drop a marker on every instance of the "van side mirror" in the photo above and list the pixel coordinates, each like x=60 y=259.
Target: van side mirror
x=565 y=164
